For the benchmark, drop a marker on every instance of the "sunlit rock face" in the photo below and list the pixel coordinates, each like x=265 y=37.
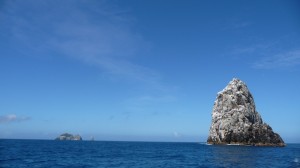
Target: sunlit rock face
x=236 y=121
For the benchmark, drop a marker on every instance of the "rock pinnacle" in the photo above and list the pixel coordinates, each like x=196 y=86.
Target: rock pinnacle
x=236 y=121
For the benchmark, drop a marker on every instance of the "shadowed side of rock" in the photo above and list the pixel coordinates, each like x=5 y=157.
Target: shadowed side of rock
x=261 y=135
x=236 y=121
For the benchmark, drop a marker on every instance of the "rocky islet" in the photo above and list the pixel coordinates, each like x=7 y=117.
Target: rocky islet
x=68 y=137
x=236 y=121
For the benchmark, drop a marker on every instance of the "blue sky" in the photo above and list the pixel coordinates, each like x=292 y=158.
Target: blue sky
x=144 y=70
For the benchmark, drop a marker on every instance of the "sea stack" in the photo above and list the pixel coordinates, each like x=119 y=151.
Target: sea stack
x=236 y=121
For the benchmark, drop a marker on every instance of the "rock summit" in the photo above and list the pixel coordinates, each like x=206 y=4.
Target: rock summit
x=236 y=121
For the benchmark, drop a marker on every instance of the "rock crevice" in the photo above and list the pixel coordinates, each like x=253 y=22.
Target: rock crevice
x=236 y=121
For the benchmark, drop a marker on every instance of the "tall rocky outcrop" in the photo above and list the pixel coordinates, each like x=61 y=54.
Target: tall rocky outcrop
x=236 y=121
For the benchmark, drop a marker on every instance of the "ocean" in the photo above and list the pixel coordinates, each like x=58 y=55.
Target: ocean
x=50 y=153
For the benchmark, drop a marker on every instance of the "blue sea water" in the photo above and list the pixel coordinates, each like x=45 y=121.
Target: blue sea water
x=47 y=153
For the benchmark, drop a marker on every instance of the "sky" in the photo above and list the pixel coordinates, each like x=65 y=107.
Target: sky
x=144 y=70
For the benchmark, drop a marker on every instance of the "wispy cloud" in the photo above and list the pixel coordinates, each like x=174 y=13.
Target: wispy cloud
x=282 y=60
x=279 y=53
x=93 y=32
x=12 y=118
x=245 y=51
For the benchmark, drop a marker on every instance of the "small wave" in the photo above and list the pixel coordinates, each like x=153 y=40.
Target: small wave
x=296 y=160
x=233 y=144
x=203 y=143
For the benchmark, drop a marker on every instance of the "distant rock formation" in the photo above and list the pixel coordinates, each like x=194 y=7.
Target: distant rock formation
x=236 y=121
x=68 y=137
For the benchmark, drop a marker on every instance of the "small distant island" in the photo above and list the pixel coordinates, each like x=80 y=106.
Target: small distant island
x=68 y=137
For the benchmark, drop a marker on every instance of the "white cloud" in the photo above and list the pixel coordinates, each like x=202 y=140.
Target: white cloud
x=12 y=118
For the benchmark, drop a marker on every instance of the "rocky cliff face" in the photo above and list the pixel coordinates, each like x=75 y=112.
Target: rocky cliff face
x=236 y=121
x=67 y=136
